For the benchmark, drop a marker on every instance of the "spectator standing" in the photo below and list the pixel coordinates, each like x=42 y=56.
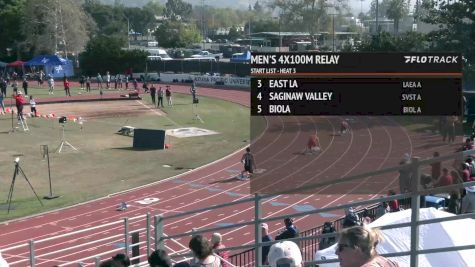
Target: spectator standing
x=126 y=82
x=136 y=85
x=33 y=106
x=2 y=105
x=217 y=243
x=3 y=86
x=357 y=248
x=25 y=86
x=468 y=201
x=203 y=253
x=159 y=258
x=266 y=237
x=153 y=92
x=285 y=253
x=41 y=77
x=88 y=84
x=19 y=102
x=451 y=123
x=168 y=94
x=82 y=80
x=116 y=81
x=120 y=80
x=99 y=81
x=50 y=85
x=108 y=80
x=160 y=97
x=66 y=87
x=15 y=86
x=290 y=230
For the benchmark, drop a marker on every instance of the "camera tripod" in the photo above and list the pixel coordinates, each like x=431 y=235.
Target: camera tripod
x=64 y=142
x=18 y=170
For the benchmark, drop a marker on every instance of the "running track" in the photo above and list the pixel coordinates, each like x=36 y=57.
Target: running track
x=374 y=143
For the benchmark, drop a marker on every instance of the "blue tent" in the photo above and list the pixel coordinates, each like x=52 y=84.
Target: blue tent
x=53 y=65
x=241 y=57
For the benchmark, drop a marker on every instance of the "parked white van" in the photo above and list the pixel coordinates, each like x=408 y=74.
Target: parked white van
x=158 y=54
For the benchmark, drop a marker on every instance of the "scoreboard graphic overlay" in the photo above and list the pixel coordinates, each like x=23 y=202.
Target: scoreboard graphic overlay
x=371 y=92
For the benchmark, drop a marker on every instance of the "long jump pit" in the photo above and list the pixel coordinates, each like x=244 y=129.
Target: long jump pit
x=98 y=109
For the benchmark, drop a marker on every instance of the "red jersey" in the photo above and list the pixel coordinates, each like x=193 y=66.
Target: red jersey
x=66 y=84
x=445 y=180
x=313 y=141
x=19 y=100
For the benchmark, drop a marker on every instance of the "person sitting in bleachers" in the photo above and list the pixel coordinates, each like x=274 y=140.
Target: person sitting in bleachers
x=203 y=252
x=159 y=258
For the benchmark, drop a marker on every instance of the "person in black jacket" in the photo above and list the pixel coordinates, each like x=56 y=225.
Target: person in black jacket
x=290 y=230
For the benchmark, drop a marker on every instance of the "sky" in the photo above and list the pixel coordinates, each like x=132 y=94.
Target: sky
x=240 y=4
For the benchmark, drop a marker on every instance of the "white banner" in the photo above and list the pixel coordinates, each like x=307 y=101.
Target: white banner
x=243 y=82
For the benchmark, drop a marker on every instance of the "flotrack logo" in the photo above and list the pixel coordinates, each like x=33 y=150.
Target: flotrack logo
x=431 y=59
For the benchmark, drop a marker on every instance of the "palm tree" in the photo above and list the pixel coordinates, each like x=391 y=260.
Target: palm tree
x=396 y=11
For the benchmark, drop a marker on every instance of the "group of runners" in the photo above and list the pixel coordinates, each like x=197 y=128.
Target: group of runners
x=313 y=147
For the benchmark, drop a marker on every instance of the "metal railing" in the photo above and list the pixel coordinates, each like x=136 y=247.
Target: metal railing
x=51 y=250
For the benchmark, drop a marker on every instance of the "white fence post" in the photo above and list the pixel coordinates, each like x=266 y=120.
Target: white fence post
x=257 y=229
x=415 y=205
x=148 y=221
x=159 y=232
x=32 y=253
x=126 y=236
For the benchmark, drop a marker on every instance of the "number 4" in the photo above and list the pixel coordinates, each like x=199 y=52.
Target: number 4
x=259 y=96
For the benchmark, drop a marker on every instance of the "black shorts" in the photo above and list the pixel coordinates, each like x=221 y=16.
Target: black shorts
x=248 y=168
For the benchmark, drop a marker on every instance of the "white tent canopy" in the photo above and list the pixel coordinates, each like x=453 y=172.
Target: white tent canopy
x=431 y=236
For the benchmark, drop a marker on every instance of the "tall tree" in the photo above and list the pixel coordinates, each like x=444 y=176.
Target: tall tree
x=51 y=26
x=397 y=9
x=258 y=7
x=105 y=53
x=174 y=34
x=456 y=31
x=178 y=9
x=11 y=39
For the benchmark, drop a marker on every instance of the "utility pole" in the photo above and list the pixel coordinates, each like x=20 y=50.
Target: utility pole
x=377 y=18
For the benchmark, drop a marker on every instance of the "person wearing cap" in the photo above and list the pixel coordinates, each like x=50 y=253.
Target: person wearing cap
x=285 y=253
x=357 y=248
x=266 y=237
x=216 y=243
x=290 y=230
x=351 y=218
x=468 y=201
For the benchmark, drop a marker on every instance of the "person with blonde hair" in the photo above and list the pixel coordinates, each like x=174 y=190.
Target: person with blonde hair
x=217 y=243
x=357 y=248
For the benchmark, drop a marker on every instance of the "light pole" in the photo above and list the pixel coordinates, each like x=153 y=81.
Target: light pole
x=128 y=30
x=333 y=13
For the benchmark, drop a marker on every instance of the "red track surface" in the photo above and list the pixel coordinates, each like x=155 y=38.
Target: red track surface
x=374 y=143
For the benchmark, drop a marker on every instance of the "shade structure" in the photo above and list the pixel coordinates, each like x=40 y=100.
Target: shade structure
x=15 y=64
